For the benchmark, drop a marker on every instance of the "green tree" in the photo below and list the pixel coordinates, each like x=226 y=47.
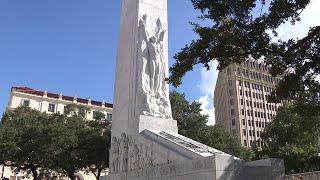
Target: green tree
x=67 y=134
x=98 y=116
x=216 y=136
x=23 y=136
x=193 y=124
x=238 y=30
x=96 y=147
x=38 y=143
x=78 y=143
x=294 y=136
x=76 y=110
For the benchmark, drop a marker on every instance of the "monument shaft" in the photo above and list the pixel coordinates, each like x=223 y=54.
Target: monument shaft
x=139 y=90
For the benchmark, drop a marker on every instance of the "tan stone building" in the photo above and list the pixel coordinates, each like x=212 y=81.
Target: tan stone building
x=240 y=100
x=54 y=103
x=51 y=103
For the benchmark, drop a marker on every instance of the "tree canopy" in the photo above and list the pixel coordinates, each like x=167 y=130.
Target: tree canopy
x=63 y=143
x=23 y=140
x=294 y=136
x=242 y=29
x=193 y=124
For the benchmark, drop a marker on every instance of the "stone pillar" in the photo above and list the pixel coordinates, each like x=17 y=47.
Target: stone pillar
x=127 y=83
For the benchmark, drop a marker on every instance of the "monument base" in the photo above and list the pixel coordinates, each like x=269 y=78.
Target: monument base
x=217 y=167
x=158 y=152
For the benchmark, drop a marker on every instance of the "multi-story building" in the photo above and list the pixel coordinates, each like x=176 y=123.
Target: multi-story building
x=54 y=103
x=240 y=100
x=51 y=103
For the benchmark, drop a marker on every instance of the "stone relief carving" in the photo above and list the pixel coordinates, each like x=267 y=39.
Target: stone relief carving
x=131 y=153
x=114 y=153
x=123 y=153
x=135 y=162
x=152 y=71
x=127 y=155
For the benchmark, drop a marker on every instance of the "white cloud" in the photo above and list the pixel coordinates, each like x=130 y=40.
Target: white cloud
x=309 y=18
x=206 y=86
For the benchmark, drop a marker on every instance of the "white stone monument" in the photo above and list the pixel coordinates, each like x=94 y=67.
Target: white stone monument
x=145 y=139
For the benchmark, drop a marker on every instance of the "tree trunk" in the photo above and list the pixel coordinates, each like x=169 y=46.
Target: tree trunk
x=34 y=172
x=71 y=175
x=98 y=174
x=71 y=171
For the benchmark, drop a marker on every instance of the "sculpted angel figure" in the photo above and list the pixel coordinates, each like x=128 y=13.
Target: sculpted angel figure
x=155 y=57
x=153 y=68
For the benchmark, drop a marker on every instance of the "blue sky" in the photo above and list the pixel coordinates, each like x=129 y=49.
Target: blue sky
x=70 y=46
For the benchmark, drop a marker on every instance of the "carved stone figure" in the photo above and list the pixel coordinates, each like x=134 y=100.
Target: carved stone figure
x=141 y=156
x=114 y=152
x=123 y=153
x=131 y=152
x=152 y=71
x=135 y=158
x=148 y=157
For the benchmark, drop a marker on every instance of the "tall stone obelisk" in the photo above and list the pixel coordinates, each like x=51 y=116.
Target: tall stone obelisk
x=142 y=66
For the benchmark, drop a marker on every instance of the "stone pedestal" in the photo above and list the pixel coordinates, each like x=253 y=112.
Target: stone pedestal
x=217 y=167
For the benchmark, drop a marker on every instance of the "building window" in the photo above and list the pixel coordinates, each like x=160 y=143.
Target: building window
x=232 y=112
x=26 y=102
x=241 y=100
x=244 y=132
x=243 y=122
x=231 y=102
x=245 y=143
x=109 y=117
x=228 y=71
x=233 y=122
x=65 y=109
x=52 y=108
x=230 y=92
x=238 y=71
